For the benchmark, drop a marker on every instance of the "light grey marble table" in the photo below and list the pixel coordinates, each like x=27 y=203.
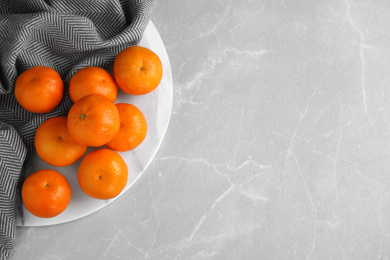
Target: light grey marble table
x=278 y=145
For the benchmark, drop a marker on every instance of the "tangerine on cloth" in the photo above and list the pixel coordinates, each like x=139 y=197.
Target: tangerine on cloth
x=63 y=35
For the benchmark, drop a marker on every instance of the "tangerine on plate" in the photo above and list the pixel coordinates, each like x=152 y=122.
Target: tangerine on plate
x=46 y=193
x=102 y=174
x=133 y=128
x=92 y=80
x=55 y=145
x=93 y=120
x=137 y=70
x=39 y=89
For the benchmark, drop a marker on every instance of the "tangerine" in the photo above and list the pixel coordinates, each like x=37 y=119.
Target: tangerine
x=92 y=80
x=137 y=70
x=93 y=120
x=55 y=145
x=46 y=193
x=39 y=89
x=102 y=174
x=133 y=128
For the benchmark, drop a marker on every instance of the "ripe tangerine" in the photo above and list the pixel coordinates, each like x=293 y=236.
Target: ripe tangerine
x=55 y=145
x=102 y=174
x=39 y=89
x=92 y=80
x=133 y=128
x=93 y=120
x=137 y=70
x=46 y=193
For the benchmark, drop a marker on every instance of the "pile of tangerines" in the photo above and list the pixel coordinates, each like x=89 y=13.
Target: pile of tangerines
x=94 y=120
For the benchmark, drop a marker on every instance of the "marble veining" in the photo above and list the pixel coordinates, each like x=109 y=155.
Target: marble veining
x=278 y=146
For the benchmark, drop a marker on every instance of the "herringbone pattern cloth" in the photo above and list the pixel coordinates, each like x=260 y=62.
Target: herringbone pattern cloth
x=65 y=35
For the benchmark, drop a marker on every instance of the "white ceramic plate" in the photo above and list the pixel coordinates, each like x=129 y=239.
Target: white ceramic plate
x=156 y=106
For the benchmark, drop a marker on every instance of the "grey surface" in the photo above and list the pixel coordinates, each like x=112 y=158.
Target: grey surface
x=278 y=145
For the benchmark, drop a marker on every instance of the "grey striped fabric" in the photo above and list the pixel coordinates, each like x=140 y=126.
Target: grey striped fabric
x=66 y=36
x=13 y=153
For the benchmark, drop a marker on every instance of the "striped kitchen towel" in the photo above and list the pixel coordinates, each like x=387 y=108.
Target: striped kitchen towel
x=66 y=36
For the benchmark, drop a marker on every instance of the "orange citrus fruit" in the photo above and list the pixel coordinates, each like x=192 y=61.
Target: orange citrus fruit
x=133 y=128
x=102 y=174
x=55 y=145
x=137 y=70
x=39 y=89
x=93 y=120
x=46 y=193
x=92 y=80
